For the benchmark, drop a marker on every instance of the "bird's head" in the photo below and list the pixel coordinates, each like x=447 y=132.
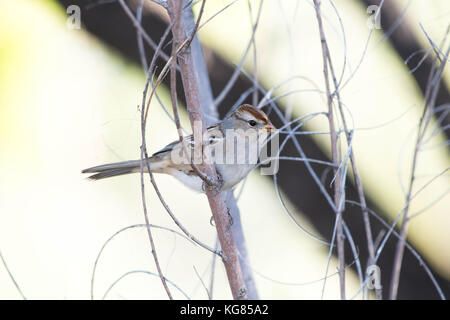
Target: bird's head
x=247 y=117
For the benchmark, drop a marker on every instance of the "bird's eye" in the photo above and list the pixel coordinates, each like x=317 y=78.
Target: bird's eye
x=252 y=123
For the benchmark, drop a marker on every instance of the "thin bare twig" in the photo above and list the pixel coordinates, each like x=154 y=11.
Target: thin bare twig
x=202 y=282
x=358 y=181
x=150 y=236
x=430 y=99
x=408 y=246
x=144 y=114
x=211 y=115
x=142 y=272
x=236 y=72
x=138 y=26
x=143 y=152
x=145 y=109
x=11 y=276
x=140 y=40
x=255 y=61
x=334 y=154
x=173 y=92
x=310 y=169
x=213 y=271
x=298 y=146
x=134 y=226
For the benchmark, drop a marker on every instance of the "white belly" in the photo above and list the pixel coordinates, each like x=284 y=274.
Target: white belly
x=233 y=176
x=229 y=177
x=190 y=181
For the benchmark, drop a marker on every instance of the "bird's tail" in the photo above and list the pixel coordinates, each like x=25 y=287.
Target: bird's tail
x=121 y=168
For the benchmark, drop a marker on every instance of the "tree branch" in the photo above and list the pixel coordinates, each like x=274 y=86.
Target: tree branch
x=211 y=115
x=334 y=155
x=430 y=100
x=216 y=202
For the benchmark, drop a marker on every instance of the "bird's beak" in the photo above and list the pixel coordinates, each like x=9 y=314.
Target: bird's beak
x=270 y=127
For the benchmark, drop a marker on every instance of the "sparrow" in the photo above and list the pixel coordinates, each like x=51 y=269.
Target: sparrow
x=232 y=145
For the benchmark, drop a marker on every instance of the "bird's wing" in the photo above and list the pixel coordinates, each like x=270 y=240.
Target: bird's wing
x=214 y=133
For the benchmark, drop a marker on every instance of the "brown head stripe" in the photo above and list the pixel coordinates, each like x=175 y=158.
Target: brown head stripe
x=253 y=111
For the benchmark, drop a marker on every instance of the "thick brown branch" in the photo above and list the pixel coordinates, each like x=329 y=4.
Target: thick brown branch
x=216 y=202
x=211 y=115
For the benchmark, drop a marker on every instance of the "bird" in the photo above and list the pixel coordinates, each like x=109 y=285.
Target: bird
x=232 y=145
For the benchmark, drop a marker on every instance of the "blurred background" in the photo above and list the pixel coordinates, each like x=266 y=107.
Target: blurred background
x=69 y=99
